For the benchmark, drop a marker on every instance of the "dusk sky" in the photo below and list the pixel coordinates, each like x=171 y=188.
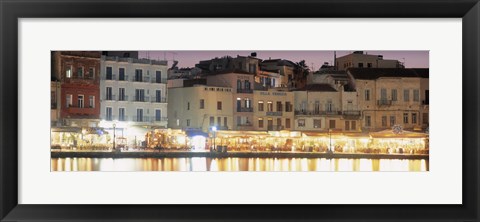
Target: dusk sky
x=412 y=59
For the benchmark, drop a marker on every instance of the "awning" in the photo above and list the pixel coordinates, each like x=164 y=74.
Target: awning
x=404 y=134
x=66 y=129
x=192 y=133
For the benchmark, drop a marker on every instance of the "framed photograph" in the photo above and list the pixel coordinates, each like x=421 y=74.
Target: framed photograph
x=227 y=111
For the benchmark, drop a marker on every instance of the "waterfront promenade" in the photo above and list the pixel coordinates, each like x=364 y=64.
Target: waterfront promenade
x=238 y=154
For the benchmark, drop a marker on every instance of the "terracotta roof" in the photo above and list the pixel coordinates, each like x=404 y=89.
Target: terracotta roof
x=375 y=73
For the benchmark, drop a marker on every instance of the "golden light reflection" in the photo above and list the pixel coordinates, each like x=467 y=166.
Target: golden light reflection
x=236 y=164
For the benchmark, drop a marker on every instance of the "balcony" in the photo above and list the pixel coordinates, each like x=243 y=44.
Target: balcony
x=159 y=99
x=162 y=80
x=244 y=109
x=244 y=90
x=317 y=112
x=123 y=98
x=244 y=124
x=81 y=110
x=351 y=113
x=142 y=79
x=112 y=77
x=109 y=97
x=53 y=105
x=278 y=113
x=148 y=119
x=384 y=102
x=141 y=99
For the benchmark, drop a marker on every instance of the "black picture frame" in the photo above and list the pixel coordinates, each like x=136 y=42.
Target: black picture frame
x=11 y=11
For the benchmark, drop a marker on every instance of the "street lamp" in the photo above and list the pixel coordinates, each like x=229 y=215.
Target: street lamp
x=114 y=125
x=330 y=135
x=214 y=129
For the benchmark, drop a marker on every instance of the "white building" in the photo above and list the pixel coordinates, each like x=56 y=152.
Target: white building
x=133 y=92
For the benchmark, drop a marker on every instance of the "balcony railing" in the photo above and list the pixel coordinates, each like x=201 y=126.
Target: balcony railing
x=244 y=90
x=275 y=127
x=142 y=79
x=141 y=99
x=278 y=113
x=351 y=113
x=384 y=102
x=148 y=119
x=425 y=102
x=317 y=112
x=109 y=97
x=159 y=99
x=123 y=98
x=244 y=109
x=244 y=124
x=110 y=77
x=53 y=105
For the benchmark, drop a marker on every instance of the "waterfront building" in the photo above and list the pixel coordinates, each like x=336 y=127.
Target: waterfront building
x=55 y=102
x=359 y=59
x=242 y=64
x=133 y=96
x=273 y=110
x=392 y=96
x=200 y=107
x=242 y=85
x=79 y=80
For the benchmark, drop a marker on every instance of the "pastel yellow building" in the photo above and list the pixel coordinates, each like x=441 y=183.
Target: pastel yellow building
x=273 y=110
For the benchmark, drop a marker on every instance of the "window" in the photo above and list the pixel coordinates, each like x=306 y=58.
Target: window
x=347 y=125
x=394 y=94
x=212 y=121
x=329 y=106
x=392 y=120
x=140 y=95
x=406 y=95
x=121 y=94
x=202 y=104
x=354 y=125
x=317 y=123
x=138 y=75
x=316 y=108
x=139 y=115
x=158 y=76
x=332 y=124
x=69 y=100
x=383 y=94
x=91 y=72
x=219 y=105
x=80 y=101
x=225 y=122
x=405 y=118
x=368 y=121
x=121 y=114
x=239 y=104
x=288 y=106
x=287 y=123
x=248 y=103
x=367 y=95
x=260 y=122
x=247 y=84
x=301 y=123
x=416 y=95
x=279 y=106
x=239 y=84
x=108 y=113
x=260 y=106
x=109 y=73
x=384 y=121
x=414 y=118
x=68 y=72
x=269 y=106
x=108 y=93
x=91 y=101
x=158 y=96
x=369 y=65
x=188 y=122
x=158 y=115
x=360 y=65
x=219 y=121
x=425 y=118
x=53 y=100
x=188 y=105
x=121 y=74
x=80 y=72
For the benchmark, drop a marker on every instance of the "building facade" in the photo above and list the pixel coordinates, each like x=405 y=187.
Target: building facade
x=273 y=110
x=134 y=91
x=200 y=107
x=359 y=59
x=78 y=73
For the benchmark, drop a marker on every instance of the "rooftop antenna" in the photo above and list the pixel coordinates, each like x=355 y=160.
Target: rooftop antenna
x=334 y=60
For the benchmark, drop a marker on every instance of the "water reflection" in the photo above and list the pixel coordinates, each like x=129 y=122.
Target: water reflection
x=235 y=164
